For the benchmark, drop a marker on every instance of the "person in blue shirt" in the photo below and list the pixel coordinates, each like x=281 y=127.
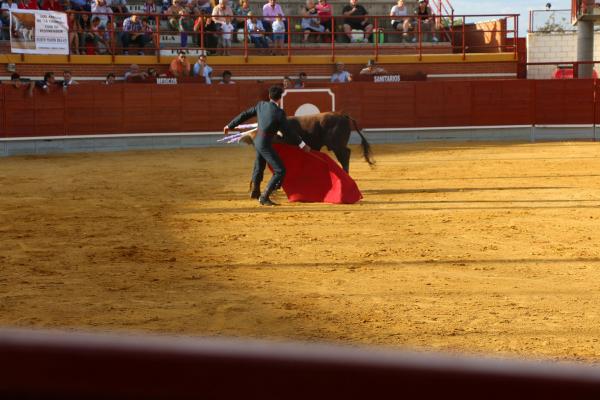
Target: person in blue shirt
x=202 y=69
x=271 y=119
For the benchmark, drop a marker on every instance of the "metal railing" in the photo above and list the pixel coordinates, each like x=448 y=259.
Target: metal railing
x=547 y=21
x=558 y=69
x=165 y=35
x=581 y=8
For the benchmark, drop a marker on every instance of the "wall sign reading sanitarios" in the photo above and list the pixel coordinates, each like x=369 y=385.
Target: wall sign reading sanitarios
x=39 y=32
x=386 y=78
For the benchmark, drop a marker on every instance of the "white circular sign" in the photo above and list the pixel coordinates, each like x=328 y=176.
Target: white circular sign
x=306 y=109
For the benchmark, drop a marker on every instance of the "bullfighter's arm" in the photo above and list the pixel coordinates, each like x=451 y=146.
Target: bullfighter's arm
x=288 y=133
x=244 y=116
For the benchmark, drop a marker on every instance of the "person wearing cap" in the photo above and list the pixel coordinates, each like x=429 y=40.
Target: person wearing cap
x=340 y=75
x=372 y=69
x=271 y=119
x=426 y=18
x=180 y=66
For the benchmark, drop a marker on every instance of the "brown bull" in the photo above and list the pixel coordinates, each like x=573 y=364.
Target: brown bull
x=330 y=129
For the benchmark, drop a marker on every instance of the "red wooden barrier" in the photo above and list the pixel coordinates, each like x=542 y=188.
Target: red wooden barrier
x=141 y=108
x=57 y=365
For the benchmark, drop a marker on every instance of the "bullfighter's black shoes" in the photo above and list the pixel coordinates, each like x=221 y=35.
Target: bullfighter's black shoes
x=255 y=194
x=266 y=201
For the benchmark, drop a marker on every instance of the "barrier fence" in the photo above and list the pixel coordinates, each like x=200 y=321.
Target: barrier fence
x=165 y=34
x=67 y=365
x=144 y=108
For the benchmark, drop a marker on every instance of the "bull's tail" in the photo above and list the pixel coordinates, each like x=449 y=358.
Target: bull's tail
x=366 y=147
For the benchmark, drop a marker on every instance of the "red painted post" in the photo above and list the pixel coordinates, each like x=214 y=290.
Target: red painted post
x=376 y=38
x=202 y=34
x=419 y=32
x=464 y=56
x=289 y=37
x=595 y=105
x=157 y=35
x=516 y=36
x=332 y=39
x=245 y=39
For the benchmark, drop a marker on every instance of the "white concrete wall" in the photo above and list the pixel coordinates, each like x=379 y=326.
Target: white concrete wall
x=542 y=47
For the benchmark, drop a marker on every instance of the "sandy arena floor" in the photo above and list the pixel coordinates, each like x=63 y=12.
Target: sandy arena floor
x=488 y=248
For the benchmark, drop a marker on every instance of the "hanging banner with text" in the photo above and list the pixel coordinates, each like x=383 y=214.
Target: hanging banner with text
x=39 y=32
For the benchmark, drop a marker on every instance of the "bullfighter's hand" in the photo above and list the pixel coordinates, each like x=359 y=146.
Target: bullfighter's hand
x=226 y=130
x=307 y=148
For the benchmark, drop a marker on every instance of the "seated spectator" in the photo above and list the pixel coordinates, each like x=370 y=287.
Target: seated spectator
x=257 y=32
x=119 y=6
x=110 y=79
x=287 y=83
x=133 y=33
x=133 y=74
x=226 y=78
x=204 y=6
x=278 y=34
x=79 y=5
x=301 y=82
x=202 y=69
x=68 y=80
x=149 y=33
x=7 y=6
x=27 y=4
x=372 y=69
x=102 y=11
x=226 y=35
x=325 y=12
x=150 y=7
x=173 y=15
x=85 y=32
x=270 y=11
x=180 y=66
x=311 y=23
x=220 y=12
x=52 y=5
x=211 y=40
x=240 y=8
x=74 y=31
x=357 y=20
x=401 y=21
x=427 y=20
x=101 y=39
x=185 y=27
x=340 y=75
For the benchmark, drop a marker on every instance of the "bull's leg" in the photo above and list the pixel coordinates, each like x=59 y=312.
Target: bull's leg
x=343 y=156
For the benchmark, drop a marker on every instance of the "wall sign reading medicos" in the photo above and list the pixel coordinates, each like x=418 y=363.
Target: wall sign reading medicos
x=39 y=32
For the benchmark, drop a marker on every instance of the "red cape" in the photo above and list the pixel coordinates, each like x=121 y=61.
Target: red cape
x=315 y=177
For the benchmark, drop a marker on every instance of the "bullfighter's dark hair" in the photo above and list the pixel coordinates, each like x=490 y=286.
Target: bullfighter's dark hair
x=275 y=92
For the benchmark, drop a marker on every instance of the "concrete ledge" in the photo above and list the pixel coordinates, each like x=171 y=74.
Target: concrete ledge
x=159 y=141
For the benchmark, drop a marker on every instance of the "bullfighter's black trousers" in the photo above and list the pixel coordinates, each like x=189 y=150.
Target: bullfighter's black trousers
x=266 y=154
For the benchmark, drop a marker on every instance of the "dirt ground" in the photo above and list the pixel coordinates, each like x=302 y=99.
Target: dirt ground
x=487 y=248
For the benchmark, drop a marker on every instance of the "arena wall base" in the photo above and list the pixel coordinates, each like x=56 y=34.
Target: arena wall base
x=161 y=141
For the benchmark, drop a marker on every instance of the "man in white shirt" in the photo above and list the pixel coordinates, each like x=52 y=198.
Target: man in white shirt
x=341 y=75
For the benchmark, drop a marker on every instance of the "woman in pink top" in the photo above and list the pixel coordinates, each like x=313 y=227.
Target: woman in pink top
x=324 y=11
